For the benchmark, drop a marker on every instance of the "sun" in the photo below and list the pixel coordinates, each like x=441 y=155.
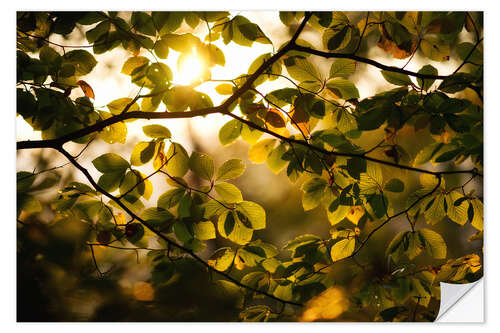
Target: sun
x=191 y=68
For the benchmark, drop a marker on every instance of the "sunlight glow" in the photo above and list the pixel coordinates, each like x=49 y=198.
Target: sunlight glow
x=190 y=69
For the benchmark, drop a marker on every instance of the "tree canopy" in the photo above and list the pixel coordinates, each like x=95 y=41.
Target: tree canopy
x=390 y=183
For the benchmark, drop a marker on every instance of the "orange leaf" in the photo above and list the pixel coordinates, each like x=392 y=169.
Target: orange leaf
x=87 y=89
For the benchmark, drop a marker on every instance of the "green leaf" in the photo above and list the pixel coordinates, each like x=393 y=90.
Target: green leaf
x=435 y=49
x=230 y=226
x=202 y=165
x=426 y=83
x=161 y=49
x=434 y=209
x=379 y=204
x=245 y=32
x=50 y=56
x=405 y=243
x=183 y=43
x=249 y=134
x=28 y=203
x=26 y=104
x=133 y=183
x=157 y=216
x=433 y=243
x=257 y=313
x=371 y=181
x=274 y=69
x=213 y=208
x=342 y=249
x=228 y=192
x=256 y=252
x=83 y=61
x=24 y=180
x=463 y=50
x=110 y=163
x=256 y=280
x=336 y=215
x=118 y=105
x=230 y=169
x=255 y=214
x=182 y=232
x=457 y=213
x=184 y=208
x=343 y=88
x=355 y=166
x=159 y=74
x=302 y=70
x=455 y=83
x=230 y=132
x=204 y=230
x=143 y=23
x=142 y=153
x=448 y=155
x=170 y=198
x=275 y=160
x=337 y=37
x=313 y=190
x=99 y=30
x=111 y=181
x=178 y=160
x=157 y=131
x=342 y=68
x=222 y=259
x=395 y=185
x=134 y=65
x=116 y=132
x=427 y=153
x=397 y=79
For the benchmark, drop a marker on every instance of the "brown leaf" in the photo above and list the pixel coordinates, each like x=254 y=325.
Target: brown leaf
x=385 y=42
x=442 y=25
x=86 y=88
x=405 y=50
x=299 y=120
x=275 y=118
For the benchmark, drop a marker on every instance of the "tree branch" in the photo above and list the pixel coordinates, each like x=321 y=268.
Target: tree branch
x=54 y=143
x=377 y=64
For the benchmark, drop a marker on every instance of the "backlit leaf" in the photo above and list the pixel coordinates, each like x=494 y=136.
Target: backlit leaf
x=313 y=190
x=230 y=169
x=110 y=162
x=342 y=249
x=202 y=165
x=395 y=185
x=228 y=192
x=230 y=132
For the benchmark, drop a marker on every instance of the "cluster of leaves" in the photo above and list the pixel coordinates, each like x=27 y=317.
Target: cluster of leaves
x=312 y=131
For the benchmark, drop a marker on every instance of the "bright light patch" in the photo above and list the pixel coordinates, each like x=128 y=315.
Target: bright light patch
x=190 y=69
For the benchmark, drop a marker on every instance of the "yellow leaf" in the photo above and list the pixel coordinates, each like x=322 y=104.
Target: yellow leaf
x=259 y=152
x=355 y=214
x=328 y=305
x=120 y=218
